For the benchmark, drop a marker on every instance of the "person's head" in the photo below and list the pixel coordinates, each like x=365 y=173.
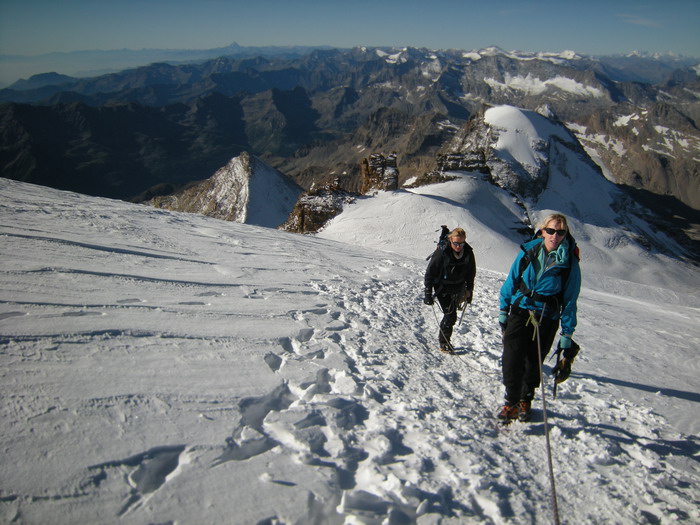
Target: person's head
x=553 y=229
x=457 y=238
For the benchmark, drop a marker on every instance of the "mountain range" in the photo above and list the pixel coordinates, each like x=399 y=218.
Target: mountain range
x=315 y=118
x=31 y=69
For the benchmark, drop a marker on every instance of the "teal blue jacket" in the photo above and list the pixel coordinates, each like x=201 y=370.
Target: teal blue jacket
x=541 y=285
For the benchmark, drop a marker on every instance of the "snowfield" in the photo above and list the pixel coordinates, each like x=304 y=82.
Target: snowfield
x=162 y=367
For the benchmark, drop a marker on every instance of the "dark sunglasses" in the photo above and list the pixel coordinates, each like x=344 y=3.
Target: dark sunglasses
x=458 y=243
x=552 y=231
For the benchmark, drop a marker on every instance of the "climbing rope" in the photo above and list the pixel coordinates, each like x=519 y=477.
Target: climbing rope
x=552 y=483
x=536 y=324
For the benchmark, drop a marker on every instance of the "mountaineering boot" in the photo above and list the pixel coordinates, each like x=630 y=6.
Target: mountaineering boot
x=524 y=410
x=509 y=412
x=447 y=348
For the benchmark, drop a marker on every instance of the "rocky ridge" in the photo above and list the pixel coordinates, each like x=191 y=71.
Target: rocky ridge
x=246 y=190
x=316 y=207
x=549 y=145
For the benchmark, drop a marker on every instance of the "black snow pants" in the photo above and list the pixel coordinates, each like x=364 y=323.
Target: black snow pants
x=449 y=305
x=521 y=372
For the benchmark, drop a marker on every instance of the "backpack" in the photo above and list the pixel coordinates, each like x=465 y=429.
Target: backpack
x=442 y=241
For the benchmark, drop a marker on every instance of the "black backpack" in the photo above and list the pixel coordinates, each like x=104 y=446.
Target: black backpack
x=442 y=241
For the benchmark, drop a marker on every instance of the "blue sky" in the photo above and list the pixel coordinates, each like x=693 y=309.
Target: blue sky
x=29 y=27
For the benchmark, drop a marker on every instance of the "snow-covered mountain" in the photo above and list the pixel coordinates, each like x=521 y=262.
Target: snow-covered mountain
x=534 y=167
x=245 y=190
x=165 y=367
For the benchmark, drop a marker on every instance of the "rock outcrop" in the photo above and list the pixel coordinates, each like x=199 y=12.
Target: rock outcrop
x=316 y=207
x=379 y=172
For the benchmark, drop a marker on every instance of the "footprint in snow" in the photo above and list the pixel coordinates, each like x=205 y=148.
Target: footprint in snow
x=150 y=470
x=249 y=438
x=8 y=315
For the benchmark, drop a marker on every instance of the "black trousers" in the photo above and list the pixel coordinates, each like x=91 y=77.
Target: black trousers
x=521 y=371
x=449 y=305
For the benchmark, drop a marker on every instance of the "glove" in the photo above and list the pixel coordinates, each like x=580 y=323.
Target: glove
x=503 y=320
x=428 y=299
x=562 y=369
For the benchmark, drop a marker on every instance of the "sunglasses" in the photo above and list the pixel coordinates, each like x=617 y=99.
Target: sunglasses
x=552 y=231
x=458 y=243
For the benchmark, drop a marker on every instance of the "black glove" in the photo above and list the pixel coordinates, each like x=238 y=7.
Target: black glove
x=562 y=370
x=428 y=299
x=565 y=358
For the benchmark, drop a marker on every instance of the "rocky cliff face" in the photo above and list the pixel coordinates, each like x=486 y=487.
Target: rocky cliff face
x=316 y=207
x=655 y=148
x=245 y=190
x=379 y=172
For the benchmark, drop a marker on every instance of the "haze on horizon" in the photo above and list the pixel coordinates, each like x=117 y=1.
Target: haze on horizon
x=38 y=27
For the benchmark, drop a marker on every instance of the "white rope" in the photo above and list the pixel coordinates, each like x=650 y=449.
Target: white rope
x=553 y=488
x=552 y=482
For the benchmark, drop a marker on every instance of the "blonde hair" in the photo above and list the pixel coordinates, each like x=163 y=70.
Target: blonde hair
x=558 y=217
x=457 y=232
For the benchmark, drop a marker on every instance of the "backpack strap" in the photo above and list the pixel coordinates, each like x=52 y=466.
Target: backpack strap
x=524 y=262
x=551 y=302
x=554 y=302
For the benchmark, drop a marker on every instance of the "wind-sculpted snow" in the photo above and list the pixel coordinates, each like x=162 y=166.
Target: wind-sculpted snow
x=160 y=367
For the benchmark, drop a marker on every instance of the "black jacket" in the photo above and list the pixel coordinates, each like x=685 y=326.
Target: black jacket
x=449 y=275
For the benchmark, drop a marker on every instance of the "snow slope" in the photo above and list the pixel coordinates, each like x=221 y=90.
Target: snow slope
x=408 y=221
x=271 y=195
x=162 y=367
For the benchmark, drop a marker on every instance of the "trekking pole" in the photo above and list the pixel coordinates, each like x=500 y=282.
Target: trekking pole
x=459 y=356
x=556 y=366
x=464 y=309
x=440 y=325
x=553 y=489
